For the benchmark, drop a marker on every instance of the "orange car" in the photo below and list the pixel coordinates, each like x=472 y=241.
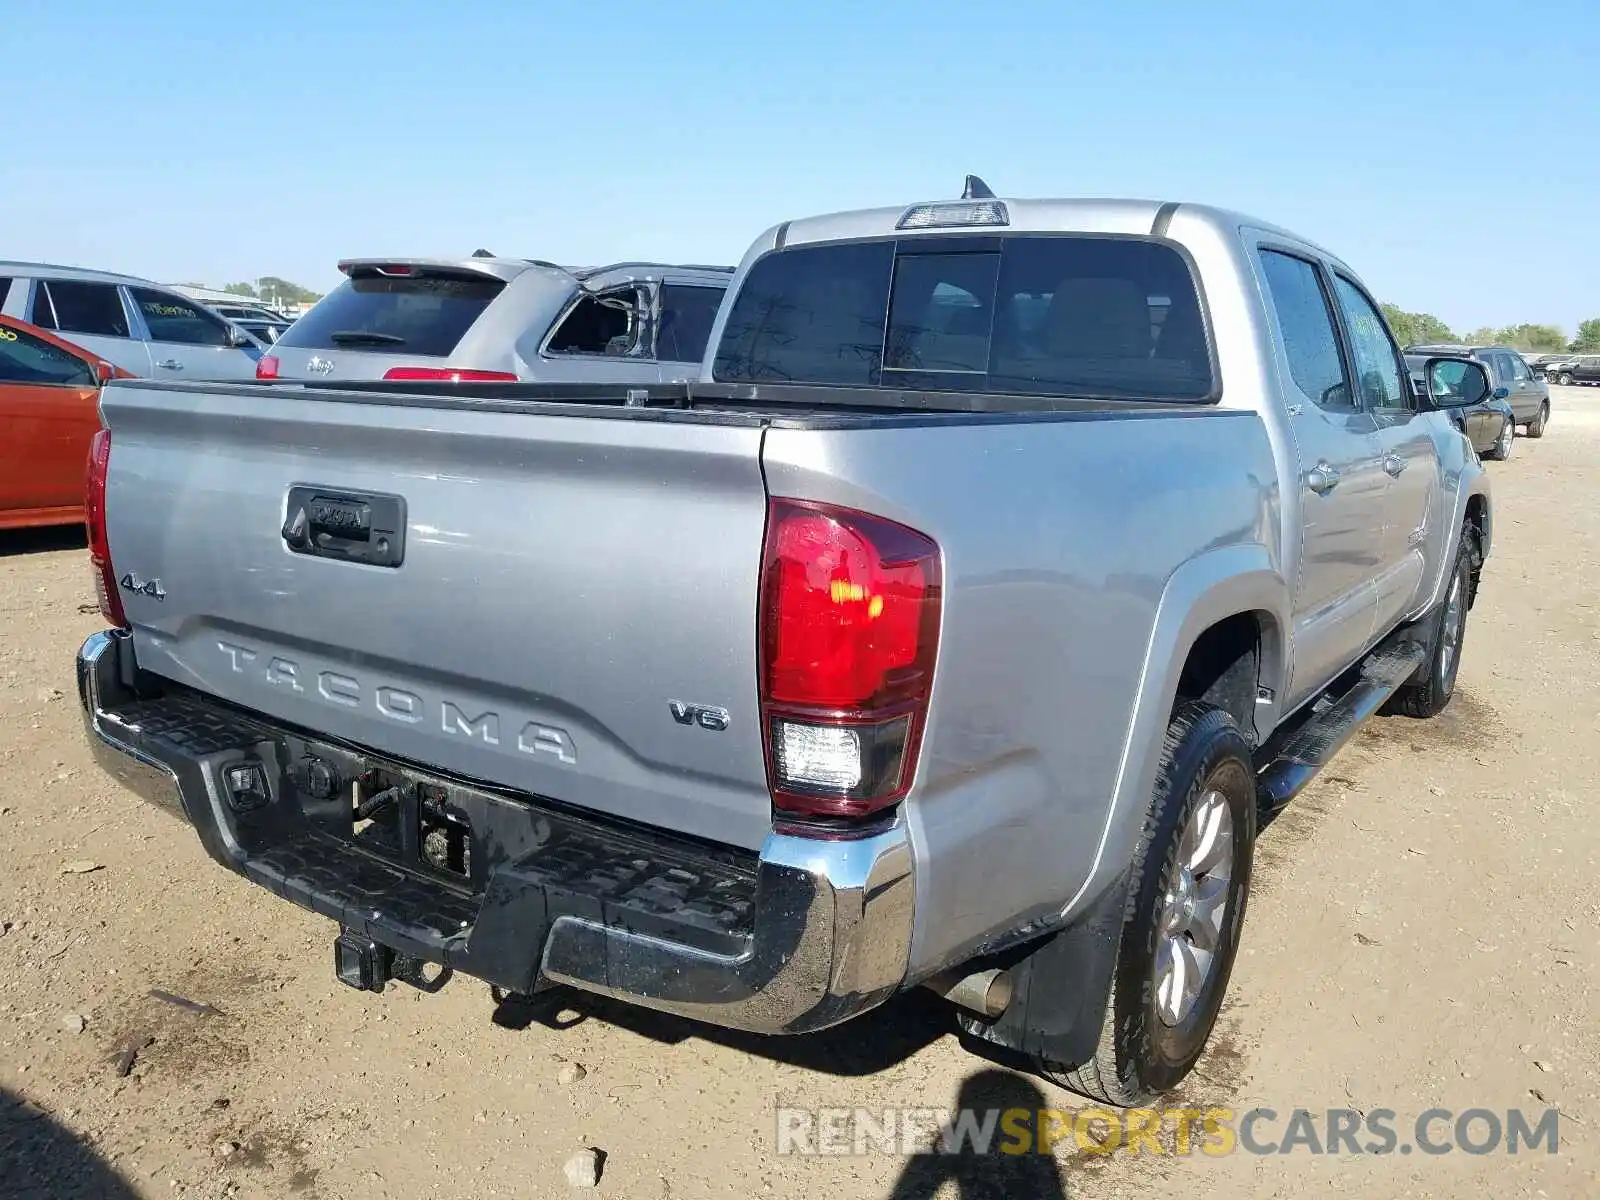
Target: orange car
x=49 y=409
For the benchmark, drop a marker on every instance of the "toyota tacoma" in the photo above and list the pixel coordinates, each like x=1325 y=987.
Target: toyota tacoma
x=1006 y=562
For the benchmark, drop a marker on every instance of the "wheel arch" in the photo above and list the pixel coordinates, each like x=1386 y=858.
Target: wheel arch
x=1217 y=603
x=1476 y=518
x=1226 y=666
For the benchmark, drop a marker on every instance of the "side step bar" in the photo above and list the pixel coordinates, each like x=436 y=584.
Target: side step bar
x=1334 y=720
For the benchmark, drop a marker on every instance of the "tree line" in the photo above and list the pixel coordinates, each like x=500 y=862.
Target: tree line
x=275 y=291
x=1415 y=329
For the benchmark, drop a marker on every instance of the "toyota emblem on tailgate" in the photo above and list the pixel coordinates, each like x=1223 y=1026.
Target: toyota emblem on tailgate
x=318 y=365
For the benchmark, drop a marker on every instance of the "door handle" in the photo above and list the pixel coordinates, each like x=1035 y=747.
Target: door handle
x=1322 y=478
x=170 y=364
x=1393 y=464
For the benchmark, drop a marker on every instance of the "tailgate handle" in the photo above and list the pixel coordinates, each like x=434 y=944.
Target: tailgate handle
x=364 y=527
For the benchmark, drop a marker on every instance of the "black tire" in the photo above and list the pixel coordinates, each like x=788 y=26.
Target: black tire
x=1427 y=692
x=1564 y=379
x=1140 y=1054
x=1536 y=426
x=1501 y=450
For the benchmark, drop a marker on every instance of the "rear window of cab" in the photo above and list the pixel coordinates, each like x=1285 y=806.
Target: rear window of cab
x=1069 y=315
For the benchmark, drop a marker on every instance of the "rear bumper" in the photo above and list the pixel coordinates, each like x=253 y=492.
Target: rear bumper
x=802 y=936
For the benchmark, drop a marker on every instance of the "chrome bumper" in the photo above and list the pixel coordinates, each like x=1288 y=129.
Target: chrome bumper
x=829 y=935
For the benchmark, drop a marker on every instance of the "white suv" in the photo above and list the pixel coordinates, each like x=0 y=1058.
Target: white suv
x=141 y=326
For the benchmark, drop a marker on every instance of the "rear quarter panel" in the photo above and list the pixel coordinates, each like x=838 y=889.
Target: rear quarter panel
x=1079 y=552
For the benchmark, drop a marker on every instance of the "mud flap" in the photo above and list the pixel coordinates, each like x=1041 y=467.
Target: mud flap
x=1060 y=988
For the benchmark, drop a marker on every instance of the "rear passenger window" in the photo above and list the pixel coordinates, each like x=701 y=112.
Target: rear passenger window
x=173 y=319
x=74 y=307
x=687 y=314
x=1068 y=315
x=1305 y=323
x=605 y=324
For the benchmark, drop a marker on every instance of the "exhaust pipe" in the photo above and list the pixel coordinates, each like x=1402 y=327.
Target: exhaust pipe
x=986 y=993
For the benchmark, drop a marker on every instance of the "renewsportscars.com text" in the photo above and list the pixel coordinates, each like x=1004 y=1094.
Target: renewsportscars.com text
x=1172 y=1131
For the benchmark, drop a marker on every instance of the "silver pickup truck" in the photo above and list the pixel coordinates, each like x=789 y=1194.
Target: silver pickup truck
x=1009 y=558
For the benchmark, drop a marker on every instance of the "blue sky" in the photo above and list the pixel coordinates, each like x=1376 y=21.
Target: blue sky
x=1451 y=154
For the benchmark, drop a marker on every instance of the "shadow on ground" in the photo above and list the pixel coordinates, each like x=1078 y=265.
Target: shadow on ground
x=17 y=542
x=41 y=1159
x=987 y=1173
x=873 y=1042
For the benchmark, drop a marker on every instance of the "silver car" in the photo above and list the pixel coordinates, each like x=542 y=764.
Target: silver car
x=262 y=323
x=487 y=318
x=140 y=326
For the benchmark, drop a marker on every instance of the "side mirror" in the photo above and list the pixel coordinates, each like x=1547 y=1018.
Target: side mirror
x=1455 y=382
x=238 y=338
x=1500 y=393
x=104 y=372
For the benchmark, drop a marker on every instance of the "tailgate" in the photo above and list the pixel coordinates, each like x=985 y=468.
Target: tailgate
x=569 y=586
x=298 y=362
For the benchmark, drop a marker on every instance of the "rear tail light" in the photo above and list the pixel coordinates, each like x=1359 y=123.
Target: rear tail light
x=267 y=366
x=447 y=375
x=849 y=627
x=94 y=519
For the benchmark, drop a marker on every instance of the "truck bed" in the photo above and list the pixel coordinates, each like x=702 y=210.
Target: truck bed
x=578 y=570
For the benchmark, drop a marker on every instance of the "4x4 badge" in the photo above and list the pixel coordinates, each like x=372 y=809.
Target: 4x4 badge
x=150 y=587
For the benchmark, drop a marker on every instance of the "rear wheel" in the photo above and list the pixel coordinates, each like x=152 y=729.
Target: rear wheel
x=1536 y=426
x=1427 y=692
x=1191 y=878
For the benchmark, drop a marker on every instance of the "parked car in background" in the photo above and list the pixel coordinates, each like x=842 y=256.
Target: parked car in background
x=245 y=307
x=1580 y=368
x=489 y=319
x=1490 y=425
x=949 y=630
x=1526 y=392
x=142 y=327
x=49 y=411
x=1548 y=366
x=265 y=332
x=263 y=324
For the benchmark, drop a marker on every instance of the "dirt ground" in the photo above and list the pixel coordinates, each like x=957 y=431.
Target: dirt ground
x=1422 y=935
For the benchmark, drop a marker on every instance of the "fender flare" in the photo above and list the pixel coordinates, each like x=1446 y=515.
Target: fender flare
x=1470 y=487
x=1209 y=588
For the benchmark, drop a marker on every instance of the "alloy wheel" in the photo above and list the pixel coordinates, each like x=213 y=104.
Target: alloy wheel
x=1189 y=933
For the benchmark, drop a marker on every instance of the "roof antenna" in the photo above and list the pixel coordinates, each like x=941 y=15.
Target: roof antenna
x=481 y=254
x=976 y=189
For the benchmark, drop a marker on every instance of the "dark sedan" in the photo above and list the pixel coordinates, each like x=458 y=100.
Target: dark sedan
x=1490 y=425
